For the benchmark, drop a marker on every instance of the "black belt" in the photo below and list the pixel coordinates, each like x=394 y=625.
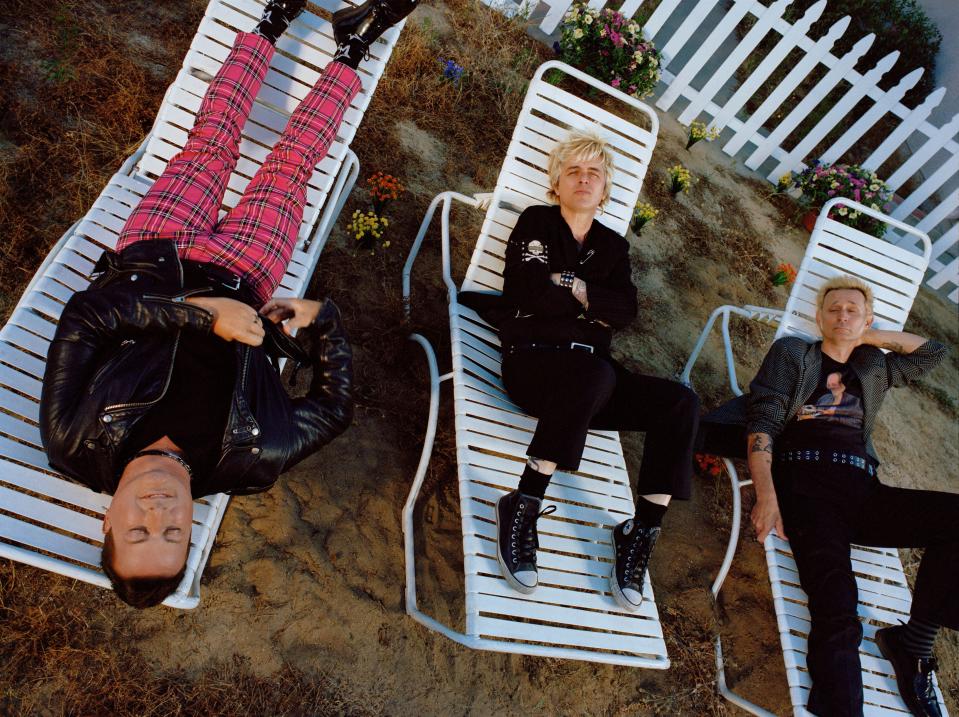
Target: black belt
x=571 y=346
x=838 y=458
x=220 y=278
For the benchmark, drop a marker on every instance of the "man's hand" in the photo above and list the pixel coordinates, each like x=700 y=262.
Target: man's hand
x=292 y=313
x=232 y=320
x=765 y=516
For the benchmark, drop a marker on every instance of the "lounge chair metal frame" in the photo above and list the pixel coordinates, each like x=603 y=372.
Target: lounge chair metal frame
x=571 y=614
x=896 y=274
x=52 y=523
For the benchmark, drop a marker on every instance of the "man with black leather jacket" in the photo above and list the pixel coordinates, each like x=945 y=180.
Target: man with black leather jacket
x=161 y=383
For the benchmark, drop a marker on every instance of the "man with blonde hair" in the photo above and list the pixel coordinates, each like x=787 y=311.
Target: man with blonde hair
x=819 y=468
x=567 y=287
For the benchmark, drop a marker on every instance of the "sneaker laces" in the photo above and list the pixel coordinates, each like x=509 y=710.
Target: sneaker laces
x=637 y=555
x=523 y=537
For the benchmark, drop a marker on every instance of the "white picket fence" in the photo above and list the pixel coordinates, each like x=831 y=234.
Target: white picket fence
x=709 y=52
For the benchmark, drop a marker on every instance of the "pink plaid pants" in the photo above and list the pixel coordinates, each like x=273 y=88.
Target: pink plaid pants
x=256 y=239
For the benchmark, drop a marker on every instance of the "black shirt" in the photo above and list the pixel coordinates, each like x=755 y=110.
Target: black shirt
x=195 y=408
x=831 y=417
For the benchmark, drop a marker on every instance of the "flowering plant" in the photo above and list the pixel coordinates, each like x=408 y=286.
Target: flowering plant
x=643 y=214
x=698 y=131
x=452 y=72
x=785 y=274
x=680 y=180
x=384 y=188
x=611 y=48
x=709 y=465
x=367 y=227
x=821 y=182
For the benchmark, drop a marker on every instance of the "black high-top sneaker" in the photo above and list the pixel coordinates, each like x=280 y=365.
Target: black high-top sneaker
x=364 y=23
x=277 y=16
x=516 y=516
x=633 y=544
x=913 y=674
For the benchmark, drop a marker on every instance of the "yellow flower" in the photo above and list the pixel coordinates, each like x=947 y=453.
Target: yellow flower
x=588 y=19
x=577 y=33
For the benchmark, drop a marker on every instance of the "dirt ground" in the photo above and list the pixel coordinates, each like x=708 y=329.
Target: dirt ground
x=302 y=606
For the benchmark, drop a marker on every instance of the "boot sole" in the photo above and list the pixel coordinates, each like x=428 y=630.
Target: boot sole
x=511 y=581
x=618 y=594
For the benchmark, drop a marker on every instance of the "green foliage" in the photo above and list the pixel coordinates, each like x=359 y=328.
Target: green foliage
x=898 y=25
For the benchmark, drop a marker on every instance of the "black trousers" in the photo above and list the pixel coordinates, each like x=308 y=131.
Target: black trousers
x=571 y=391
x=825 y=509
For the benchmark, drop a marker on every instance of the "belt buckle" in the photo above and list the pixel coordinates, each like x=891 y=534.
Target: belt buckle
x=233 y=285
x=584 y=347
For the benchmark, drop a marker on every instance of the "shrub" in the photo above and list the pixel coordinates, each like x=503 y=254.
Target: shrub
x=611 y=48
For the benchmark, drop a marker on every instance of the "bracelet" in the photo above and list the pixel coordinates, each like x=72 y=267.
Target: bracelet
x=566 y=279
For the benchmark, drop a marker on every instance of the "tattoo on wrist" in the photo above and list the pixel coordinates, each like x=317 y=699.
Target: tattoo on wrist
x=893 y=346
x=533 y=463
x=761 y=444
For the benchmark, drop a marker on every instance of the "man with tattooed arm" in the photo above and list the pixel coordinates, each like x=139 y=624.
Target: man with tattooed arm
x=810 y=415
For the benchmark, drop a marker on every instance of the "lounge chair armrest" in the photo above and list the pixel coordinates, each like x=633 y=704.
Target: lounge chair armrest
x=446 y=199
x=764 y=315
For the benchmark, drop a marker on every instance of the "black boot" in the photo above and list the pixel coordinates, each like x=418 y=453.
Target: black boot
x=913 y=674
x=277 y=16
x=361 y=25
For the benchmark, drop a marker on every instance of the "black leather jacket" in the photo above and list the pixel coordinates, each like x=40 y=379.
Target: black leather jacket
x=112 y=357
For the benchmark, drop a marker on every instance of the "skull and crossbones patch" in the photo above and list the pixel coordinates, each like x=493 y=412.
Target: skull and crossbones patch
x=535 y=251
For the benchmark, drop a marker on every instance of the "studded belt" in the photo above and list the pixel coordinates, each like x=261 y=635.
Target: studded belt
x=838 y=458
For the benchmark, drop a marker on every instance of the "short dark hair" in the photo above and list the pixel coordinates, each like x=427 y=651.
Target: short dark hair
x=138 y=592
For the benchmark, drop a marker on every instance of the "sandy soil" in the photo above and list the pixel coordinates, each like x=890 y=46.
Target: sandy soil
x=309 y=576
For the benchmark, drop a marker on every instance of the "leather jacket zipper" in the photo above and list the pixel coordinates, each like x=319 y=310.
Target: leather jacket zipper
x=122 y=406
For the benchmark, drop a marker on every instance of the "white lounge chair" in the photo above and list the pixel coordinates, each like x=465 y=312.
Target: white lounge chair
x=895 y=273
x=52 y=523
x=571 y=614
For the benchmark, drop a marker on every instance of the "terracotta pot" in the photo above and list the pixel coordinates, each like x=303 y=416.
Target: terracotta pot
x=809 y=220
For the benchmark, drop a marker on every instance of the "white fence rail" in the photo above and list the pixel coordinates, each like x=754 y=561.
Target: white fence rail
x=701 y=53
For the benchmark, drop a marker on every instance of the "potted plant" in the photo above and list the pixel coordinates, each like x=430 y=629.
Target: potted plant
x=821 y=182
x=611 y=48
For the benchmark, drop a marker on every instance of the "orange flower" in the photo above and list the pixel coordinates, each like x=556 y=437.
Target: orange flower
x=785 y=274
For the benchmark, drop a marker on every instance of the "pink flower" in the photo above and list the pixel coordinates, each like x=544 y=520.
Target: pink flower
x=855 y=194
x=615 y=82
x=616 y=38
x=831 y=192
x=632 y=89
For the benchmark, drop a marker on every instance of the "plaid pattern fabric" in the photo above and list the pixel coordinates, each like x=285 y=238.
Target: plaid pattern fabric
x=257 y=237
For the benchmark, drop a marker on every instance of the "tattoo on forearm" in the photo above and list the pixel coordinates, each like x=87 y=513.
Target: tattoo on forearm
x=893 y=346
x=762 y=444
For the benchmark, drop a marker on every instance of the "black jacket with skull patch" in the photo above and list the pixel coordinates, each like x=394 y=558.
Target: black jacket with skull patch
x=542 y=243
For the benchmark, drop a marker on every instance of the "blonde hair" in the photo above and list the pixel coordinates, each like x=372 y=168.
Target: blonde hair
x=583 y=145
x=844 y=282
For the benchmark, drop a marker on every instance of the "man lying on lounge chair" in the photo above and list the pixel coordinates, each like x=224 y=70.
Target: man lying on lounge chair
x=160 y=384
x=567 y=287
x=811 y=410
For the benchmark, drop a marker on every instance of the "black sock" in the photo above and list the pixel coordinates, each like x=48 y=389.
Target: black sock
x=918 y=636
x=649 y=514
x=277 y=17
x=351 y=53
x=533 y=483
